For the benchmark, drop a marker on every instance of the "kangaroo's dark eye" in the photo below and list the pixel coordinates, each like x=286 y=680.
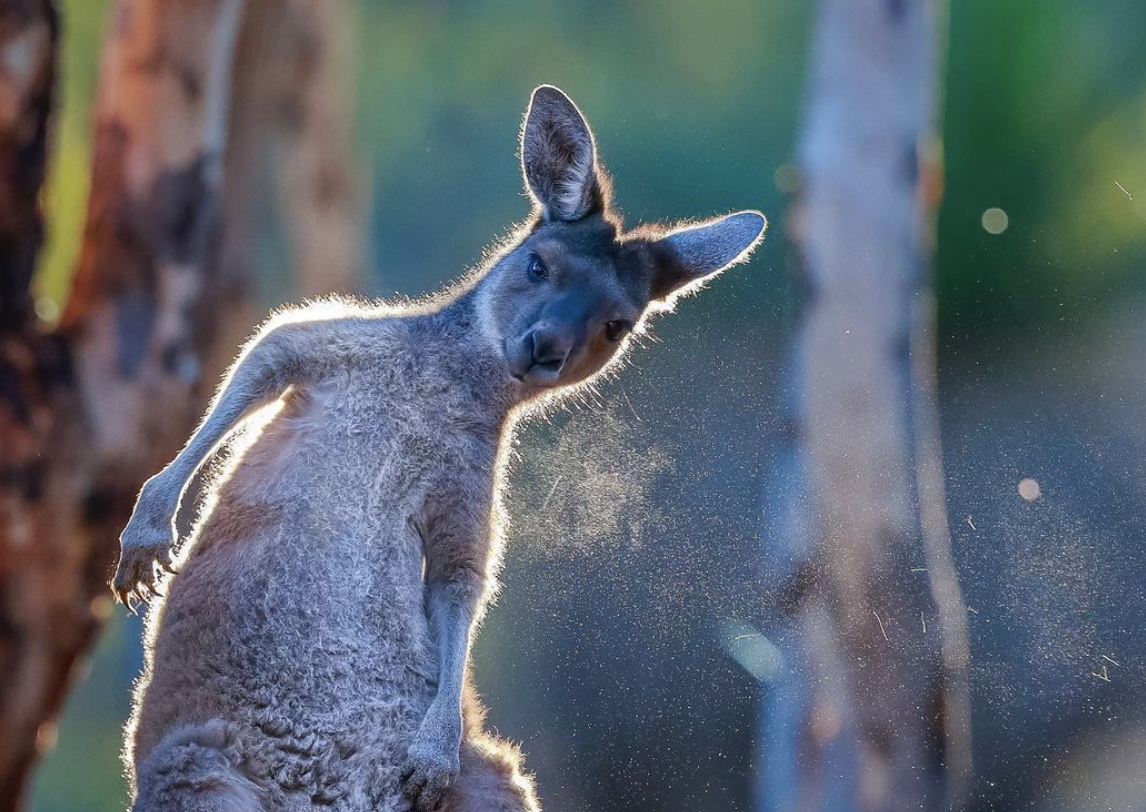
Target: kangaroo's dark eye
x=615 y=330
x=536 y=269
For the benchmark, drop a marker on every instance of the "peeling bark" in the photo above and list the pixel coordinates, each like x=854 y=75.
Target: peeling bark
x=87 y=412
x=190 y=92
x=33 y=368
x=871 y=711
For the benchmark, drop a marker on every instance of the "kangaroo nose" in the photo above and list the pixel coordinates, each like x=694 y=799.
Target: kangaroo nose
x=549 y=349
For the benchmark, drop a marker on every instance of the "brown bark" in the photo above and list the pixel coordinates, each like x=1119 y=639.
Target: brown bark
x=28 y=36
x=191 y=92
x=87 y=412
x=876 y=640
x=31 y=366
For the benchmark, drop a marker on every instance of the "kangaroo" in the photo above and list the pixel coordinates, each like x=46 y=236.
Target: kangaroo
x=310 y=649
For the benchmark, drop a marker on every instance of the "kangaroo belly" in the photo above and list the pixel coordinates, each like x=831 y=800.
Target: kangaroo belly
x=297 y=619
x=303 y=630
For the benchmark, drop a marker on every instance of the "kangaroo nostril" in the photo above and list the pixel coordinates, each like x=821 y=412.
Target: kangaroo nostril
x=549 y=350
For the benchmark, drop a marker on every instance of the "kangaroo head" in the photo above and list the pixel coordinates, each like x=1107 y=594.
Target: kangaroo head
x=560 y=302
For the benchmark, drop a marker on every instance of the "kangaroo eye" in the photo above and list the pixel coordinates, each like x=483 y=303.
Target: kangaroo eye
x=536 y=269
x=616 y=330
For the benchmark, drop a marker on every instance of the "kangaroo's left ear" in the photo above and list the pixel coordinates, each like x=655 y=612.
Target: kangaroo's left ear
x=691 y=253
x=559 y=157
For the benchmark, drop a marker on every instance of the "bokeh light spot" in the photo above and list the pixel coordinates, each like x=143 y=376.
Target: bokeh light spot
x=47 y=309
x=47 y=735
x=1029 y=489
x=787 y=178
x=995 y=220
x=101 y=607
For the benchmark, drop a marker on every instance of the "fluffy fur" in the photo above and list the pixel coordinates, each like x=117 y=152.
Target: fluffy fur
x=311 y=652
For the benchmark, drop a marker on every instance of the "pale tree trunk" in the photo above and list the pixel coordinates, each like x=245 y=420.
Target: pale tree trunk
x=870 y=711
x=293 y=144
x=322 y=198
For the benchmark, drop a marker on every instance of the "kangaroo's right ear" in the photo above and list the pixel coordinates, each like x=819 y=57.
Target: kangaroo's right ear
x=694 y=252
x=559 y=157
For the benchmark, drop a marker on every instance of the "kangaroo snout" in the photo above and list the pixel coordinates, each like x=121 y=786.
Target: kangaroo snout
x=550 y=347
x=540 y=354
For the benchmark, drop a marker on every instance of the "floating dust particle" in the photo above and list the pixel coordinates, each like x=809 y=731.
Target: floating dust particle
x=1029 y=489
x=584 y=481
x=881 y=626
x=1053 y=592
x=552 y=491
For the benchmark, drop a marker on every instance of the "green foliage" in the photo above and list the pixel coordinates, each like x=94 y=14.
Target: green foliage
x=84 y=771
x=692 y=105
x=1045 y=118
x=65 y=196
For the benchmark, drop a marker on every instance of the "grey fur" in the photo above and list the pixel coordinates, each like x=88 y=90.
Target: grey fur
x=311 y=652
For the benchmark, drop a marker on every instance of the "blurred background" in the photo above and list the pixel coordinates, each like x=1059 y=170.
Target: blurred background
x=636 y=545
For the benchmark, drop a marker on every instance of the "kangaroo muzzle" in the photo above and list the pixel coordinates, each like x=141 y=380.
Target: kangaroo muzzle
x=540 y=355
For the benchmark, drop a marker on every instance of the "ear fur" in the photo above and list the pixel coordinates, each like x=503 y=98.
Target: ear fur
x=693 y=252
x=559 y=157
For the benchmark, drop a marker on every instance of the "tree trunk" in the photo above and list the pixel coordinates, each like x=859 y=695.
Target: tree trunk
x=293 y=144
x=322 y=199
x=90 y=410
x=162 y=293
x=870 y=711
x=31 y=370
x=28 y=37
